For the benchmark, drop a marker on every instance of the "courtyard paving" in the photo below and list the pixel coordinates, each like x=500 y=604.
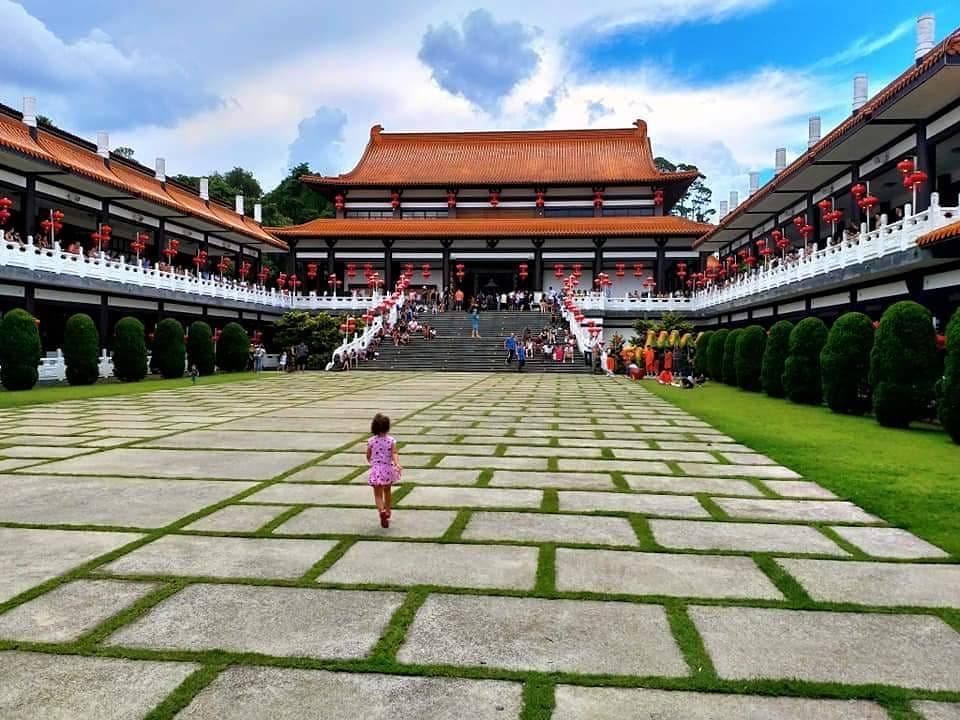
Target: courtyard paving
x=565 y=548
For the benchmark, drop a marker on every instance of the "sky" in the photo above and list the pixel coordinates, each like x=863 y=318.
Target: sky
x=265 y=86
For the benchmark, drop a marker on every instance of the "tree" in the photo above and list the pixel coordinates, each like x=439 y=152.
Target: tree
x=44 y=121
x=321 y=333
x=169 y=350
x=775 y=357
x=729 y=369
x=950 y=401
x=292 y=202
x=124 y=152
x=81 y=350
x=224 y=187
x=233 y=348
x=701 y=360
x=715 y=354
x=200 y=347
x=903 y=364
x=129 y=350
x=695 y=202
x=19 y=350
x=749 y=357
x=845 y=364
x=801 y=372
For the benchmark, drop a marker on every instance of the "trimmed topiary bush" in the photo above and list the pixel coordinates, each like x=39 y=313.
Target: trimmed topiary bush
x=749 y=357
x=200 y=348
x=701 y=359
x=775 y=357
x=715 y=354
x=903 y=364
x=845 y=364
x=729 y=369
x=950 y=402
x=801 y=372
x=169 y=351
x=19 y=350
x=129 y=351
x=233 y=350
x=81 y=350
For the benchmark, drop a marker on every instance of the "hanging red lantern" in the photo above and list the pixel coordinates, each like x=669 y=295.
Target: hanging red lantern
x=598 y=198
x=244 y=270
x=658 y=197
x=312 y=271
x=408 y=270
x=216 y=335
x=650 y=283
x=681 y=270
x=869 y=202
x=541 y=199
x=281 y=280
x=577 y=270
x=798 y=222
x=333 y=281
x=917 y=179
x=638 y=270
x=906 y=166
x=460 y=271
x=395 y=200
x=200 y=259
x=351 y=270
x=224 y=265
x=806 y=231
x=425 y=270
x=494 y=198
x=294 y=283
x=339 y=202
x=621 y=269
x=558 y=270
x=5 y=205
x=263 y=275
x=858 y=190
x=522 y=271
x=451 y=199
x=171 y=250
x=824 y=205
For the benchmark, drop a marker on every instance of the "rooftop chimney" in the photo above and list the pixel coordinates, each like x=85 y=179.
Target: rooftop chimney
x=781 y=162
x=754 y=182
x=925 y=32
x=734 y=199
x=204 y=188
x=723 y=208
x=238 y=204
x=30 y=112
x=161 y=170
x=258 y=213
x=103 y=144
x=813 y=126
x=859 y=91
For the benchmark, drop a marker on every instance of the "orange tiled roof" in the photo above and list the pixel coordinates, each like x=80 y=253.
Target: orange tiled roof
x=667 y=225
x=542 y=157
x=16 y=136
x=940 y=234
x=949 y=46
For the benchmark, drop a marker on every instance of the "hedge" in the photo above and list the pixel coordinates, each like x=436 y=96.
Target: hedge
x=801 y=372
x=701 y=360
x=729 y=370
x=233 y=349
x=129 y=351
x=19 y=350
x=169 y=351
x=903 y=364
x=950 y=401
x=845 y=364
x=200 y=348
x=749 y=357
x=775 y=357
x=715 y=354
x=81 y=350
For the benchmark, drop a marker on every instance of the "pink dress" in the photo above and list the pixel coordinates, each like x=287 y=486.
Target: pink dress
x=382 y=469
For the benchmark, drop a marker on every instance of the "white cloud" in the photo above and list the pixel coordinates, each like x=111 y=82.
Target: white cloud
x=865 y=46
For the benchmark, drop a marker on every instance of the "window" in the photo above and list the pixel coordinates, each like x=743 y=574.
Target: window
x=628 y=212
x=424 y=214
x=568 y=212
x=368 y=214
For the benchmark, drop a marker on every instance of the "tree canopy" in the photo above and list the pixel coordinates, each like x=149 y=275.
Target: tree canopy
x=226 y=186
x=694 y=204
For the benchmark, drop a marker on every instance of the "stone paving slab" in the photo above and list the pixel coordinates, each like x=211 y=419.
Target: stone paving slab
x=569 y=481
x=875 y=583
x=516 y=450
x=540 y=527
x=41 y=452
x=222 y=557
x=501 y=463
x=296 y=494
x=796 y=510
x=252 y=440
x=263 y=693
x=472 y=497
x=70 y=610
x=149 y=462
x=801 y=489
x=894 y=543
x=323 y=474
x=640 y=573
x=290 y=622
x=36 y=686
x=634 y=466
x=237 y=518
x=546 y=635
x=663 y=455
x=399 y=563
x=702 y=446
x=689 y=485
x=746 y=458
x=746 y=537
x=17 y=463
x=670 y=505
x=914 y=651
x=355 y=521
x=775 y=472
x=596 y=703
x=931 y=710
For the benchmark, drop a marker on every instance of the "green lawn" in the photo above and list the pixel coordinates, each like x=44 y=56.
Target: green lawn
x=55 y=393
x=910 y=478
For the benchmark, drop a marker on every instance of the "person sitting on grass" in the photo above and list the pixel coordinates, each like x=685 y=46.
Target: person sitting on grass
x=385 y=467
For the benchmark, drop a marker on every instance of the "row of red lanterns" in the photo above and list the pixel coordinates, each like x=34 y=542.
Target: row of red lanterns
x=5 y=205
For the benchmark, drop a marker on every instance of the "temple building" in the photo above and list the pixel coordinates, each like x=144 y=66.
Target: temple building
x=497 y=211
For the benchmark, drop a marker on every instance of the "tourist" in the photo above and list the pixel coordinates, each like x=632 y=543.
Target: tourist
x=474 y=322
x=384 y=465
x=282 y=365
x=510 y=345
x=521 y=357
x=194 y=374
x=458 y=300
x=303 y=352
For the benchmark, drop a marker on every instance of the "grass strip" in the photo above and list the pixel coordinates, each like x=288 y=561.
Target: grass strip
x=785 y=583
x=185 y=692
x=324 y=564
x=691 y=644
x=546 y=582
x=538 y=698
x=385 y=651
x=455 y=531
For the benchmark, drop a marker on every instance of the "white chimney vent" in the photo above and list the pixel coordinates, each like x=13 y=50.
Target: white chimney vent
x=204 y=188
x=926 y=28
x=30 y=111
x=754 y=182
x=859 y=91
x=781 y=161
x=814 y=127
x=161 y=169
x=258 y=213
x=723 y=208
x=103 y=144
x=734 y=199
x=238 y=204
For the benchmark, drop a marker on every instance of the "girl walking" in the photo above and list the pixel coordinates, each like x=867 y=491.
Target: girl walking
x=475 y=322
x=384 y=465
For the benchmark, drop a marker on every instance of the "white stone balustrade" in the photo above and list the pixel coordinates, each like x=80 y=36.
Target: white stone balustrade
x=361 y=341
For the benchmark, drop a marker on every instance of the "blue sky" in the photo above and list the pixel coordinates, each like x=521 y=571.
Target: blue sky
x=267 y=85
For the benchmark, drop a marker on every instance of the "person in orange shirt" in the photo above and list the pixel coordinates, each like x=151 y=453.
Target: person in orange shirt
x=458 y=300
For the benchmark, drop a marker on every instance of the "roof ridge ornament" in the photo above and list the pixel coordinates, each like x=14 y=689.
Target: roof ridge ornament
x=641 y=126
x=376 y=131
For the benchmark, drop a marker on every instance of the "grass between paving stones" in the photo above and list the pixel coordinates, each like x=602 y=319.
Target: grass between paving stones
x=907 y=477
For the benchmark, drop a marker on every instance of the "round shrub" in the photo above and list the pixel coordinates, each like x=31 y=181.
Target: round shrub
x=749 y=357
x=233 y=350
x=903 y=364
x=801 y=372
x=845 y=364
x=715 y=354
x=169 y=351
x=701 y=358
x=775 y=357
x=729 y=369
x=19 y=350
x=200 y=347
x=129 y=351
x=81 y=350
x=950 y=402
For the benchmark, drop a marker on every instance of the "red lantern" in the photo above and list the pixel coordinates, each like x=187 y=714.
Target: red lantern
x=425 y=270
x=333 y=281
x=598 y=198
x=824 y=205
x=577 y=270
x=638 y=270
x=312 y=271
x=263 y=275
x=650 y=283
x=917 y=179
x=395 y=200
x=494 y=198
x=171 y=250
x=351 y=270
x=681 y=270
x=522 y=271
x=460 y=271
x=905 y=166
x=799 y=222
x=658 y=197
x=451 y=199
x=858 y=190
x=558 y=270
x=294 y=282
x=281 y=280
x=244 y=270
x=367 y=270
x=200 y=259
x=621 y=269
x=216 y=335
x=224 y=265
x=408 y=270
x=5 y=205
x=541 y=199
x=339 y=202
x=806 y=231
x=869 y=202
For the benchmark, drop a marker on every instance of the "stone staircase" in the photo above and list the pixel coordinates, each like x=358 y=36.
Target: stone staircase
x=453 y=349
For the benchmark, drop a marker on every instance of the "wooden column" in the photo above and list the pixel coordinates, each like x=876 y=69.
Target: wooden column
x=28 y=208
x=159 y=241
x=538 y=265
x=445 y=263
x=927 y=162
x=661 y=264
x=387 y=265
x=598 y=244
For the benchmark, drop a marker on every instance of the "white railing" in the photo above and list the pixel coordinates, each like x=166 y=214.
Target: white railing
x=53 y=368
x=646 y=303
x=361 y=341
x=133 y=273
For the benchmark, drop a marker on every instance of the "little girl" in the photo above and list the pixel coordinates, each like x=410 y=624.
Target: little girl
x=384 y=465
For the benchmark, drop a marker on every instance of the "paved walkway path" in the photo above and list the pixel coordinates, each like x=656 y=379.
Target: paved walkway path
x=562 y=547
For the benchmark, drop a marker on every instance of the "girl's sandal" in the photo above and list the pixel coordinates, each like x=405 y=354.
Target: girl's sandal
x=384 y=520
